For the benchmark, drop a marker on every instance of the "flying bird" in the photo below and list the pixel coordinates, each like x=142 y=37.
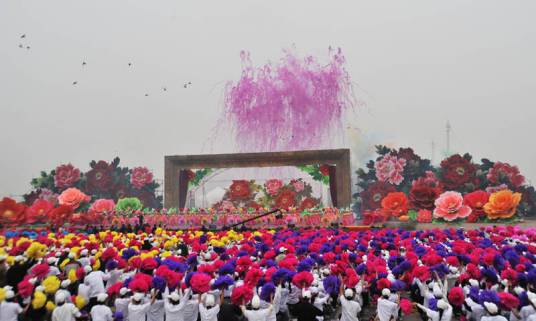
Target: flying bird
x=83 y=63
x=20 y=45
x=75 y=82
x=23 y=36
x=130 y=64
x=146 y=95
x=164 y=88
x=28 y=47
x=186 y=84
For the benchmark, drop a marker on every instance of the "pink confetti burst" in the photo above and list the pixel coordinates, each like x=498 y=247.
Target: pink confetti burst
x=293 y=105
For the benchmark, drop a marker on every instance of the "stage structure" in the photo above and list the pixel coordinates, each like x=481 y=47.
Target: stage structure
x=338 y=160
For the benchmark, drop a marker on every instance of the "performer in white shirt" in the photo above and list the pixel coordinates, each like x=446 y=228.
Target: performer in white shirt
x=64 y=311
x=256 y=313
x=387 y=309
x=101 y=312
x=208 y=309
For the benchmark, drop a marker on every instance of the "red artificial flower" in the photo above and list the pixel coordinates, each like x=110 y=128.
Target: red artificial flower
x=303 y=279
x=508 y=301
x=140 y=176
x=11 y=212
x=25 y=288
x=308 y=202
x=240 y=190
x=241 y=295
x=252 y=277
x=371 y=197
x=406 y=306
x=38 y=212
x=200 y=283
x=395 y=204
x=476 y=201
x=456 y=296
x=40 y=271
x=502 y=173
x=374 y=217
x=286 y=199
x=324 y=169
x=149 y=264
x=60 y=215
x=408 y=154
x=422 y=273
x=99 y=177
x=115 y=288
x=66 y=176
x=424 y=191
x=424 y=216
x=457 y=171
x=383 y=283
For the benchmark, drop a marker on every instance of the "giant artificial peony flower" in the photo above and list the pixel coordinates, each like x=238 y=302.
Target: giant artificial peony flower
x=66 y=176
x=73 y=197
x=38 y=212
x=390 y=169
x=298 y=185
x=424 y=191
x=11 y=212
x=449 y=206
x=140 y=176
x=424 y=216
x=476 y=200
x=308 y=202
x=457 y=171
x=240 y=190
x=371 y=198
x=502 y=204
x=273 y=186
x=99 y=177
x=102 y=206
x=502 y=173
x=286 y=199
x=60 y=215
x=395 y=204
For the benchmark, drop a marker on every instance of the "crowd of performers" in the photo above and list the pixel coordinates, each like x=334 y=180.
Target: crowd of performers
x=316 y=274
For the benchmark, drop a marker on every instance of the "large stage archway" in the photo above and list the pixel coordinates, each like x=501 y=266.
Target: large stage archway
x=175 y=184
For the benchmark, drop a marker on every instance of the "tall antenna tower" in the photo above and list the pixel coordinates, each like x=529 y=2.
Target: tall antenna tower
x=433 y=153
x=449 y=130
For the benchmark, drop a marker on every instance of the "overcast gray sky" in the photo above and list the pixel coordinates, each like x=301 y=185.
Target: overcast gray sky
x=416 y=64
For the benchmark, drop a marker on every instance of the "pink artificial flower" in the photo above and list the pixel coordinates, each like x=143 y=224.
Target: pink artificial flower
x=66 y=176
x=102 y=206
x=48 y=195
x=73 y=197
x=298 y=185
x=140 y=176
x=495 y=189
x=390 y=169
x=273 y=186
x=449 y=206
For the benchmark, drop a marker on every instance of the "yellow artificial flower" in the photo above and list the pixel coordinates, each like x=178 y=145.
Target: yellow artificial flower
x=72 y=276
x=2 y=294
x=50 y=306
x=39 y=300
x=36 y=250
x=64 y=263
x=51 y=284
x=96 y=265
x=80 y=302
